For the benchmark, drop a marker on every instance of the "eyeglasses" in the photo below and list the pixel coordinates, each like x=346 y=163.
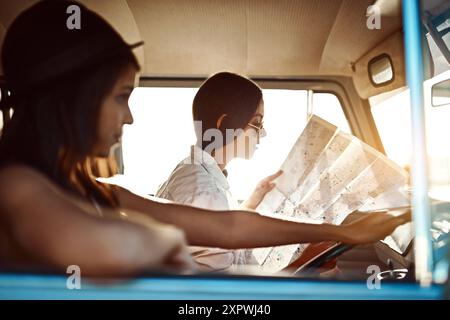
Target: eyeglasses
x=257 y=128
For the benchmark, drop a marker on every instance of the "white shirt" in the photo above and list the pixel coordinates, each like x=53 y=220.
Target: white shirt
x=198 y=181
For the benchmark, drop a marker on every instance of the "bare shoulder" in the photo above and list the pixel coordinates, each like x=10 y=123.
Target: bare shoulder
x=21 y=184
x=27 y=194
x=19 y=175
x=19 y=171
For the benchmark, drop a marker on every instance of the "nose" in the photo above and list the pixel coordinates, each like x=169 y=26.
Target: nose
x=128 y=117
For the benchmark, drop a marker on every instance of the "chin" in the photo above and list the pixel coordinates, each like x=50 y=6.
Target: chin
x=104 y=152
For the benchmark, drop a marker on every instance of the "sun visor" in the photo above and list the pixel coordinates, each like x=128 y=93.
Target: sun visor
x=386 y=59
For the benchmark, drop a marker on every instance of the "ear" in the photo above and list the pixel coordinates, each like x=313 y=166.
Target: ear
x=219 y=121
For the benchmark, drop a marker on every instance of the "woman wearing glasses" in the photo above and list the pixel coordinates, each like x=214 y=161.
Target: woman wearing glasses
x=228 y=113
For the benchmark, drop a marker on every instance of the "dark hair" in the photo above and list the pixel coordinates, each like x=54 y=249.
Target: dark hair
x=54 y=128
x=55 y=121
x=225 y=93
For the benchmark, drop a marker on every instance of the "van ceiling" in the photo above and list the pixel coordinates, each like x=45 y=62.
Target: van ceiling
x=266 y=38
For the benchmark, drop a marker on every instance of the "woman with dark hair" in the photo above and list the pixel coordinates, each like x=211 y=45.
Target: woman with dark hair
x=69 y=92
x=228 y=112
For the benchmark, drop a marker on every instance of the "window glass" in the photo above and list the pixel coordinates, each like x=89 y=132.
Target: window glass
x=328 y=107
x=163 y=132
x=391 y=113
x=160 y=136
x=392 y=117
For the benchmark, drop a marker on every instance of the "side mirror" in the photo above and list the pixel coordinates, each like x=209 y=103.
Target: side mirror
x=440 y=93
x=381 y=71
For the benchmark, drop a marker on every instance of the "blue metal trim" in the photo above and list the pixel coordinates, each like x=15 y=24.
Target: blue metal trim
x=13 y=286
x=420 y=201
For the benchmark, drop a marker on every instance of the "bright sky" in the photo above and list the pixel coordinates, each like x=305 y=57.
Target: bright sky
x=393 y=120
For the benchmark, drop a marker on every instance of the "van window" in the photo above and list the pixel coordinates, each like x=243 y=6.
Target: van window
x=160 y=136
x=163 y=132
x=438 y=142
x=327 y=106
x=391 y=112
x=392 y=116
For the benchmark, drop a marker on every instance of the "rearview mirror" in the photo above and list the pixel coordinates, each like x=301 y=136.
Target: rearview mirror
x=381 y=71
x=440 y=93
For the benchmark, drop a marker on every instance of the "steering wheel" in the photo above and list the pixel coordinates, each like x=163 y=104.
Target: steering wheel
x=315 y=263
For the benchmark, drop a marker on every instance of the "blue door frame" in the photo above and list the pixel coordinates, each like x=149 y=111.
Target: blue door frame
x=14 y=286
x=412 y=27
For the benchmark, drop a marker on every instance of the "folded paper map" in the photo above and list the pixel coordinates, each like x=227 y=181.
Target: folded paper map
x=327 y=175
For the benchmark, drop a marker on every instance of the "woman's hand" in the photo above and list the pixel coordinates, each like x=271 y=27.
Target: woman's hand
x=168 y=241
x=373 y=227
x=180 y=257
x=262 y=188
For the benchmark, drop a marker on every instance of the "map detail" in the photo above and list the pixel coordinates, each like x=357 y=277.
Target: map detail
x=327 y=175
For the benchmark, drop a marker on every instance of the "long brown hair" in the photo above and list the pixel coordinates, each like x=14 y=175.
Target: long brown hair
x=54 y=127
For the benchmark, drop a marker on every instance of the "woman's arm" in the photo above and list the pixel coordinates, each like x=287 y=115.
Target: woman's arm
x=262 y=188
x=242 y=229
x=51 y=230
